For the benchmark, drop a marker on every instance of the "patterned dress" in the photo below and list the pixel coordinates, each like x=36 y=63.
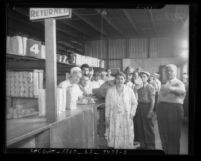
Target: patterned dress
x=120 y=108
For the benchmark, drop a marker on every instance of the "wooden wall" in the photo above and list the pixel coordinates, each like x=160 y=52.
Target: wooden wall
x=113 y=51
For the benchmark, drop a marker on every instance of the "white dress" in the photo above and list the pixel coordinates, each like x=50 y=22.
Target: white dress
x=119 y=107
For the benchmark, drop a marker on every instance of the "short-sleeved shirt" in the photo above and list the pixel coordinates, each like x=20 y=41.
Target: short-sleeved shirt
x=95 y=84
x=64 y=84
x=146 y=93
x=87 y=89
x=155 y=85
x=166 y=96
x=159 y=84
x=110 y=78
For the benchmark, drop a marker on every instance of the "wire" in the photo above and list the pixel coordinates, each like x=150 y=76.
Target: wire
x=101 y=34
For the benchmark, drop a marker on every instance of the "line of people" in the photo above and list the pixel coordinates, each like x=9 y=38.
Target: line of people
x=150 y=99
x=133 y=99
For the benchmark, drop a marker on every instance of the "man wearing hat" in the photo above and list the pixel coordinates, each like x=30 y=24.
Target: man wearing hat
x=170 y=112
x=74 y=78
x=143 y=120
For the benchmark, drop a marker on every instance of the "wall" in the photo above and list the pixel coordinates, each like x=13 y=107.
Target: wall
x=161 y=50
x=96 y=49
x=137 y=48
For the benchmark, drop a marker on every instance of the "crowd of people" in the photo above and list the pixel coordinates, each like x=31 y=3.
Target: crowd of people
x=134 y=99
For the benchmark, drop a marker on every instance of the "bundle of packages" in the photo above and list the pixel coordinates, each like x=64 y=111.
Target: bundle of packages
x=16 y=45
x=24 y=84
x=61 y=100
x=86 y=100
x=43 y=52
x=41 y=102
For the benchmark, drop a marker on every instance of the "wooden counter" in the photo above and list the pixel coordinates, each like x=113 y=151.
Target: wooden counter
x=73 y=129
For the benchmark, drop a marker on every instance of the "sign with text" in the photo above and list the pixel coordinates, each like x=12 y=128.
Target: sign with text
x=43 y=13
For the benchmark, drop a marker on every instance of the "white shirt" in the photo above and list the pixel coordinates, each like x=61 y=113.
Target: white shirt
x=96 y=84
x=73 y=91
x=166 y=96
x=87 y=89
x=65 y=84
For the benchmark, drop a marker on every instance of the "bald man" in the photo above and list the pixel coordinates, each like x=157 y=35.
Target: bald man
x=170 y=112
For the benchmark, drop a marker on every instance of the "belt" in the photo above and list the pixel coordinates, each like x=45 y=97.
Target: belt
x=144 y=102
x=170 y=103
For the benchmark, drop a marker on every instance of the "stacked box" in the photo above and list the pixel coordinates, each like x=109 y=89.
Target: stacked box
x=59 y=100
x=43 y=54
x=41 y=77
x=25 y=81
x=35 y=83
x=24 y=40
x=41 y=102
x=8 y=45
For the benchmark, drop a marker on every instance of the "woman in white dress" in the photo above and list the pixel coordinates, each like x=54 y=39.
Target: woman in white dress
x=120 y=109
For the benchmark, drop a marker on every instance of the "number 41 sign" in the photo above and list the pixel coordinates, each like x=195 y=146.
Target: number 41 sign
x=34 y=48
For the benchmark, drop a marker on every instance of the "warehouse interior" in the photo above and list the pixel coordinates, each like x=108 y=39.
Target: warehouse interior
x=145 y=38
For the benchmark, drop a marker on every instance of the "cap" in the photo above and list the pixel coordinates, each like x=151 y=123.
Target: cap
x=129 y=70
x=156 y=74
x=75 y=69
x=144 y=72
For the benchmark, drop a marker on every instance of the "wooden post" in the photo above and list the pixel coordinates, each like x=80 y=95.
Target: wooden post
x=51 y=70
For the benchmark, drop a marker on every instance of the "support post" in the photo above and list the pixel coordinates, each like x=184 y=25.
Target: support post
x=51 y=70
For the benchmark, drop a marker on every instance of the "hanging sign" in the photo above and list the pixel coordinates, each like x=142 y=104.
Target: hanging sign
x=44 y=13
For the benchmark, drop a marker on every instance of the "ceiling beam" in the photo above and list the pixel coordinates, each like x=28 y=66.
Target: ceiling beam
x=131 y=21
x=77 y=37
x=87 y=21
x=76 y=28
x=152 y=21
x=110 y=23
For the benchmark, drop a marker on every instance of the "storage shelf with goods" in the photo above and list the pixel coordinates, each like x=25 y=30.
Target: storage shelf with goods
x=25 y=65
x=30 y=48
x=22 y=91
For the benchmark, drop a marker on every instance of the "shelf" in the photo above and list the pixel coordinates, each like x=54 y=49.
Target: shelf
x=28 y=63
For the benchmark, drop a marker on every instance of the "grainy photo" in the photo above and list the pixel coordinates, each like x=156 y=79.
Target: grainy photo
x=98 y=78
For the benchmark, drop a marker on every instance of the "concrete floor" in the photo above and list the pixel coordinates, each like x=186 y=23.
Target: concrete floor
x=184 y=140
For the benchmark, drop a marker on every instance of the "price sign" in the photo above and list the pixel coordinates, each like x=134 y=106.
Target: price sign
x=34 y=48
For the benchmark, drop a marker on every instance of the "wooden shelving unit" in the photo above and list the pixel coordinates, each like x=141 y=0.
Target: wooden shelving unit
x=27 y=63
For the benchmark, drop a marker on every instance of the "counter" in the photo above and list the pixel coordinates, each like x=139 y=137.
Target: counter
x=73 y=129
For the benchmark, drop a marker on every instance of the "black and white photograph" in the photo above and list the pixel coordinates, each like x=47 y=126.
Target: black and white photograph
x=109 y=79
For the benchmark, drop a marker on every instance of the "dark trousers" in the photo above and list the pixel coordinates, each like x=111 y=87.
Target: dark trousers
x=144 y=127
x=169 y=117
x=156 y=100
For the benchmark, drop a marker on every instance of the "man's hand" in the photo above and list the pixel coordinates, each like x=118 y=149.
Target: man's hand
x=150 y=115
x=131 y=116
